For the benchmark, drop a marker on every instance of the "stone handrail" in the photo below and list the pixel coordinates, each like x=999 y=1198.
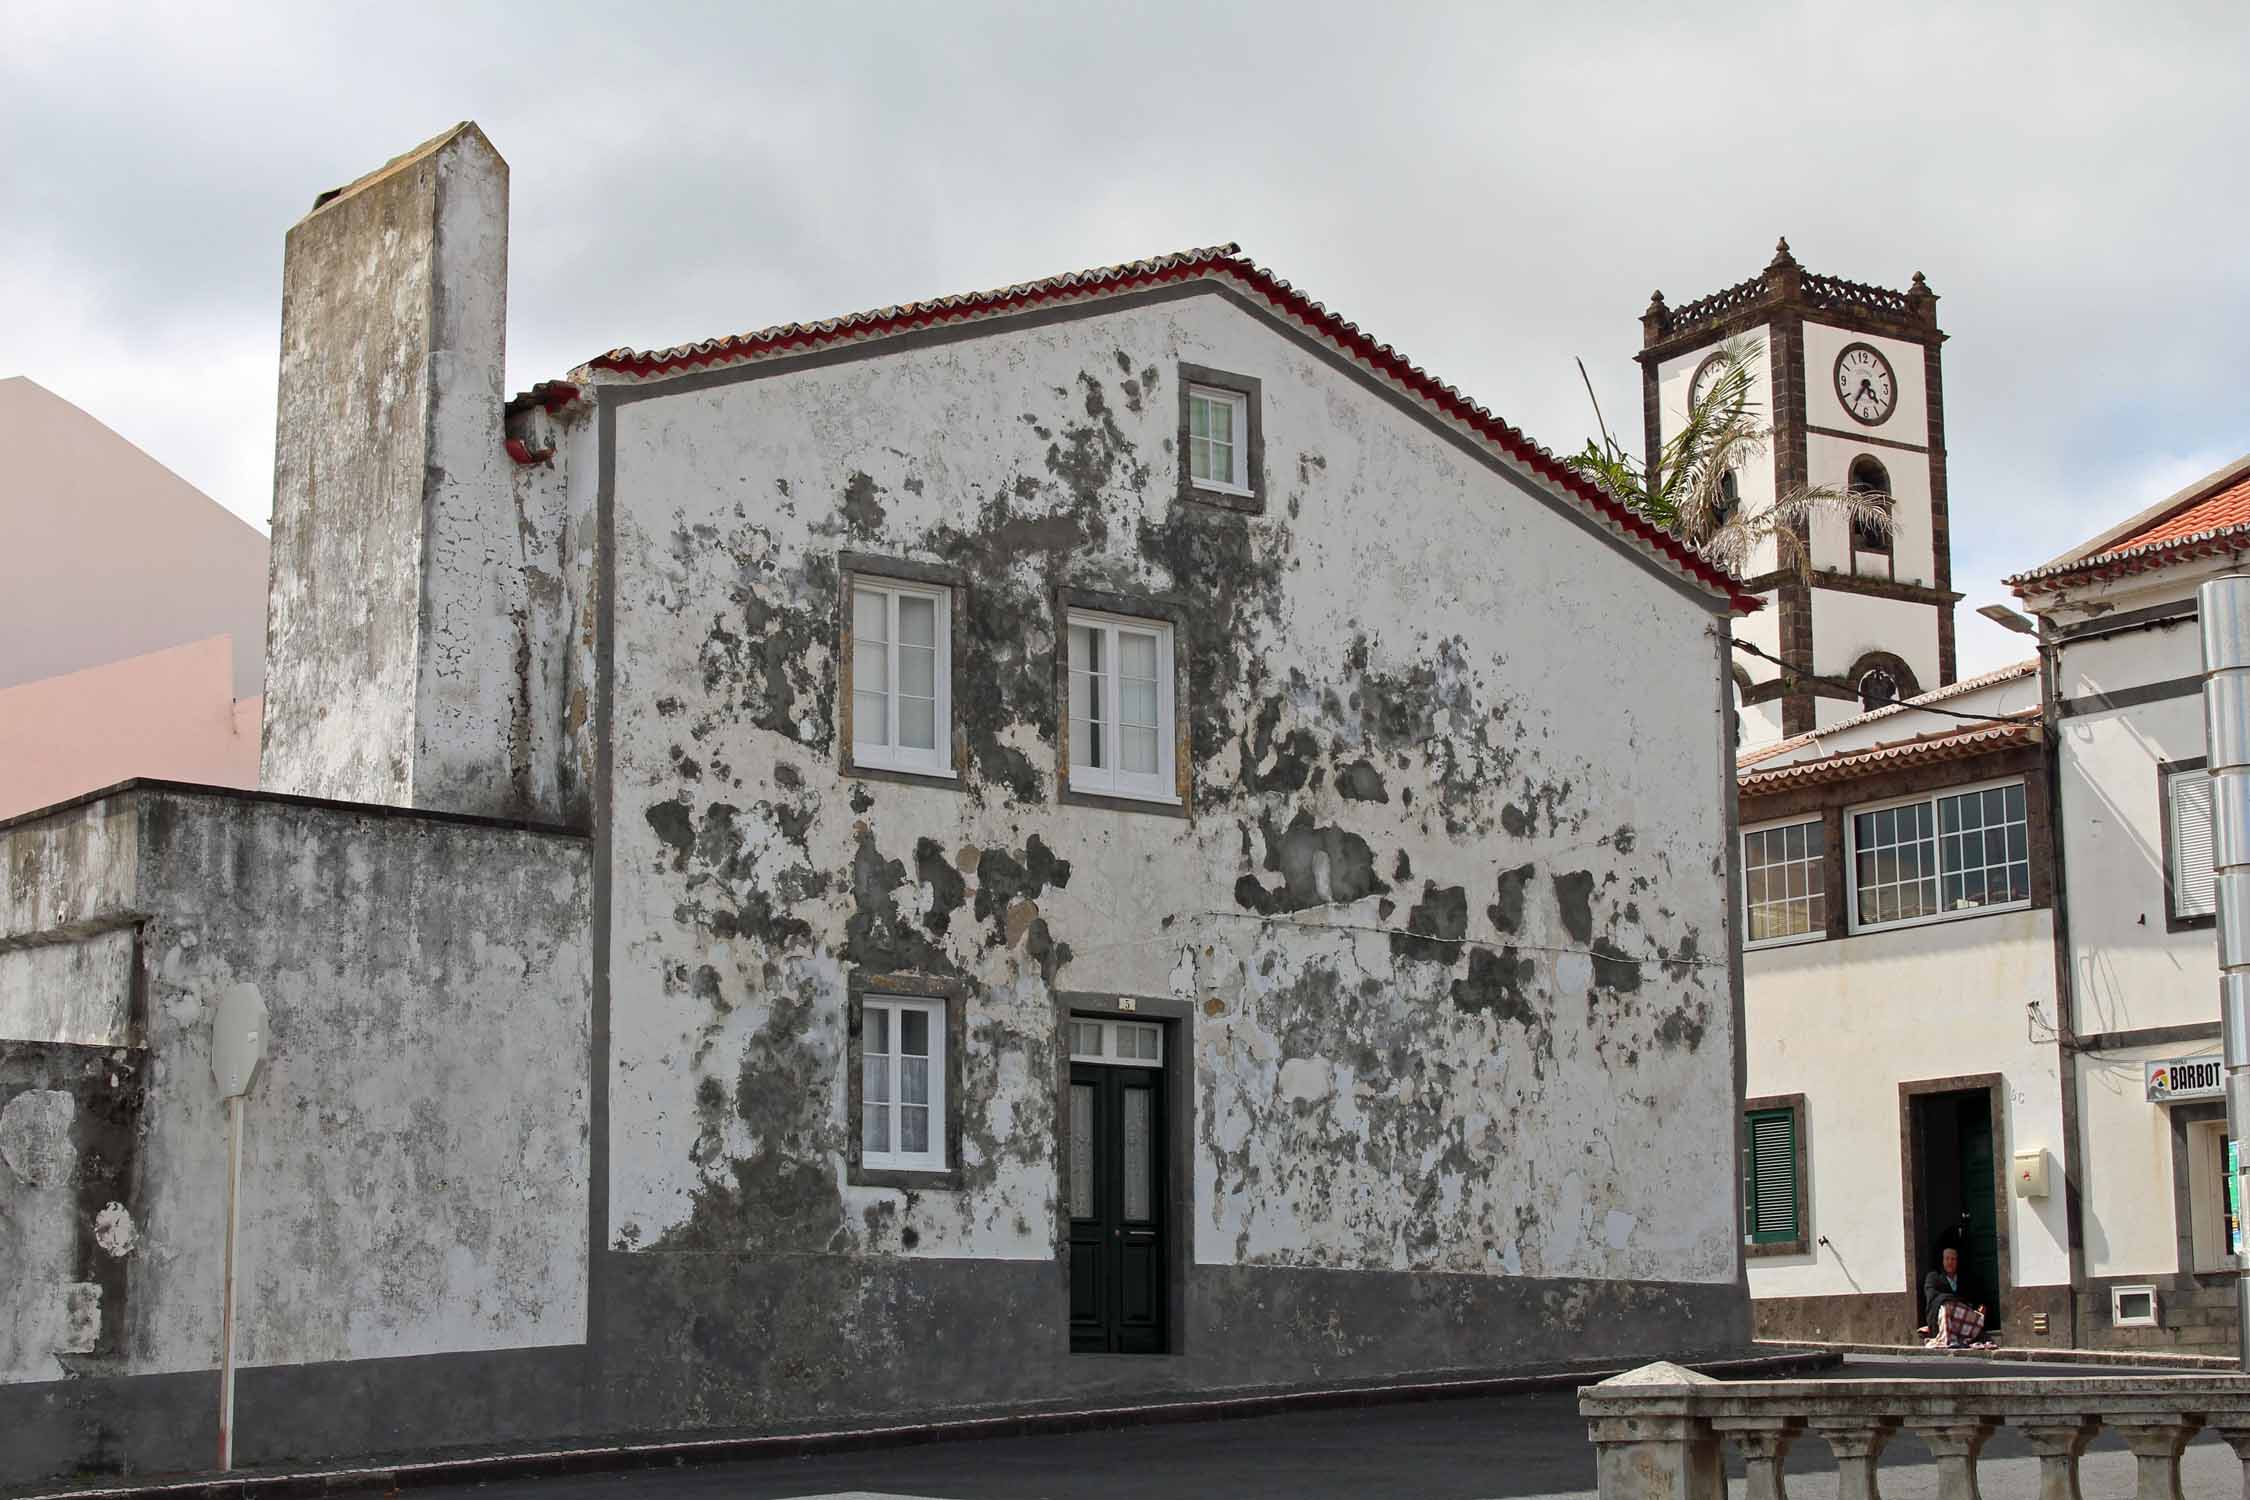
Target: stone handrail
x=1657 y=1430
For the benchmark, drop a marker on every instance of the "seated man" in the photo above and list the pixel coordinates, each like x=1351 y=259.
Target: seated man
x=1952 y=1320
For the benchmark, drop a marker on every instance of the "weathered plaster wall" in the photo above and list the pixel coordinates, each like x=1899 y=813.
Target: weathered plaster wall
x=414 y=1172
x=414 y=603
x=1445 y=908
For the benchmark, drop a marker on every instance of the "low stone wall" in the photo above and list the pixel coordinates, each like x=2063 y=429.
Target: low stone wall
x=1657 y=1430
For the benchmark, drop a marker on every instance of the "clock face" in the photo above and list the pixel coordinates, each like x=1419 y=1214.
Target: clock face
x=1706 y=375
x=1864 y=383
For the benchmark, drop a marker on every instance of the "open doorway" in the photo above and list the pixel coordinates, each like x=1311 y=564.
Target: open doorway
x=1953 y=1135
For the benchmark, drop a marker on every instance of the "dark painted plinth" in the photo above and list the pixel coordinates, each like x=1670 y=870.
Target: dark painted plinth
x=689 y=1344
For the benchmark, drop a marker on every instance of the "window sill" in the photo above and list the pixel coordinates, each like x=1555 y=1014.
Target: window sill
x=1224 y=498
x=912 y=1179
x=1164 y=807
x=1797 y=1246
x=946 y=780
x=1794 y=940
x=1863 y=929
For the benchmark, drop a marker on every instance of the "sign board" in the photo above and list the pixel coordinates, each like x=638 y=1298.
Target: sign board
x=2186 y=1078
x=238 y=1039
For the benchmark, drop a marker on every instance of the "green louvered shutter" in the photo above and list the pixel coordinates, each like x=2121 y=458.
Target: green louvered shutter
x=1769 y=1177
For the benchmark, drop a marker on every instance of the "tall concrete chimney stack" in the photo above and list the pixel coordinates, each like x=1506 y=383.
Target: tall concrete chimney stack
x=396 y=605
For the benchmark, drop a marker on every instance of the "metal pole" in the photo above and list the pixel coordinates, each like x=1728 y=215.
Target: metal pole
x=2223 y=605
x=226 y=1316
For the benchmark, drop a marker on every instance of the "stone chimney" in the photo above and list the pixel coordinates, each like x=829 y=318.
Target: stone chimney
x=395 y=614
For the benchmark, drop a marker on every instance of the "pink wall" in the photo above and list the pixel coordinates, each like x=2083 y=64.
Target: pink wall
x=169 y=714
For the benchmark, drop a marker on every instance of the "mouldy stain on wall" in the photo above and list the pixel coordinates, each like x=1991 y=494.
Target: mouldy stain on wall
x=1376 y=734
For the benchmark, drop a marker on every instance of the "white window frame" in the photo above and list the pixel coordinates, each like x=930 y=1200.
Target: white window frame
x=2175 y=847
x=1240 y=445
x=2117 y=1295
x=1112 y=780
x=893 y=1007
x=888 y=754
x=1110 y=1039
x=1851 y=855
x=1820 y=931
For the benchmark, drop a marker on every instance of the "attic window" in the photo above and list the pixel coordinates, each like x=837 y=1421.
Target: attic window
x=1221 y=440
x=1218 y=427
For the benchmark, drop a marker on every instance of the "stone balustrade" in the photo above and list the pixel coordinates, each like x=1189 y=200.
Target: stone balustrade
x=1657 y=1430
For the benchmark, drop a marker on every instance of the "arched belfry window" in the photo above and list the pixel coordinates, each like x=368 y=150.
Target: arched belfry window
x=1870 y=478
x=1729 y=501
x=1877 y=689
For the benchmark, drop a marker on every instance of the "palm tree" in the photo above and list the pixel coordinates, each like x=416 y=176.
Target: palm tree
x=1690 y=490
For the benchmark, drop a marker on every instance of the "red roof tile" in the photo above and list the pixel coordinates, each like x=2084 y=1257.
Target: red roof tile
x=1927 y=749
x=1220 y=262
x=2216 y=523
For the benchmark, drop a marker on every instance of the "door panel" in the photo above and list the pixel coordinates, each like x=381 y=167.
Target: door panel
x=1116 y=1156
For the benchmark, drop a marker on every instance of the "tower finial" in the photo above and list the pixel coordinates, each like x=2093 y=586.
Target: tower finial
x=1781 y=255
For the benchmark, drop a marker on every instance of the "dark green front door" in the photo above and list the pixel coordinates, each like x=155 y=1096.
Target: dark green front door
x=1117 y=1193
x=1979 y=1217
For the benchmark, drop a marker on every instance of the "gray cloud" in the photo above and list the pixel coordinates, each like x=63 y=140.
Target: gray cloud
x=1494 y=189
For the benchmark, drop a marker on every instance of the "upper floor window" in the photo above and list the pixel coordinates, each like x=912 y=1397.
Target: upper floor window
x=1121 y=712
x=1221 y=447
x=1940 y=856
x=902 y=667
x=1218 y=421
x=1784 y=878
x=2191 y=885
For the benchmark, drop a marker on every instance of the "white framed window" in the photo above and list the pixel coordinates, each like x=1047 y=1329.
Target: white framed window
x=902 y=1084
x=1218 y=439
x=2190 y=882
x=1932 y=858
x=1784 y=882
x=1129 y=1044
x=902 y=671
x=1121 y=707
x=2132 y=1306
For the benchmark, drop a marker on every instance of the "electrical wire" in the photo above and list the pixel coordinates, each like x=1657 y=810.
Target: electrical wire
x=1946 y=713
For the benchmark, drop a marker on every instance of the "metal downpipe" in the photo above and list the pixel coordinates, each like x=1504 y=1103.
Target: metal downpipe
x=2224 y=608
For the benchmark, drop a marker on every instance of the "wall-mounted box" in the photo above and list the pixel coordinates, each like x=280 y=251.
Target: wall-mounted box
x=2031 y=1173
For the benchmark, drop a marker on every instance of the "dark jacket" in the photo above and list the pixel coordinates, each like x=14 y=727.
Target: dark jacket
x=1937 y=1291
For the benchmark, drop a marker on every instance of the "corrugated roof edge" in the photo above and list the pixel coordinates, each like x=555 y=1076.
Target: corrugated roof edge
x=1950 y=744
x=1215 y=261
x=1951 y=690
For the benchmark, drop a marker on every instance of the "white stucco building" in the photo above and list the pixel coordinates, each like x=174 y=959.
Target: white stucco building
x=1040 y=846
x=2014 y=1042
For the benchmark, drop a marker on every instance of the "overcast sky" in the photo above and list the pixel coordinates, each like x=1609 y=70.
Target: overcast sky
x=1494 y=189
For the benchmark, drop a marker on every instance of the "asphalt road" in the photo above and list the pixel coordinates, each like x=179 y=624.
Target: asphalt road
x=1503 y=1448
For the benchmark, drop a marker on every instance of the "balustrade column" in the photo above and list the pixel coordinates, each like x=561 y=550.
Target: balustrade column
x=2234 y=1428
x=1857 y=1442
x=1657 y=1458
x=2058 y=1441
x=2156 y=1439
x=1764 y=1442
x=1954 y=1443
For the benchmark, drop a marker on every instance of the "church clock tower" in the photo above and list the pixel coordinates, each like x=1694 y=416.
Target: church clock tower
x=1847 y=376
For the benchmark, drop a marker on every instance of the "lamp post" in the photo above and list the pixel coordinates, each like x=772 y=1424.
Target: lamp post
x=2223 y=606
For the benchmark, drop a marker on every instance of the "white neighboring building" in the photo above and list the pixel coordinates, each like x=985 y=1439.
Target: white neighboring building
x=2118 y=618
x=1898 y=972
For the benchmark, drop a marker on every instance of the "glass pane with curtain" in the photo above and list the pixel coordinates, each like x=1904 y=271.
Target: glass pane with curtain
x=1137 y=714
x=1139 y=1149
x=1082 y=1151
x=917 y=672
x=1086 y=697
x=875 y=1080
